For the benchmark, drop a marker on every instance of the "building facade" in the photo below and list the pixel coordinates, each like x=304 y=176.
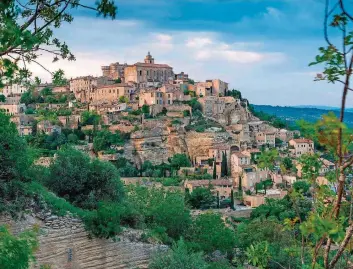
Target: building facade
x=301 y=146
x=13 y=90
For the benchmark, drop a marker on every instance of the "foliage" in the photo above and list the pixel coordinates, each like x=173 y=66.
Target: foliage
x=145 y=109
x=209 y=233
x=267 y=159
x=180 y=160
x=82 y=181
x=89 y=118
x=201 y=198
x=104 y=139
x=123 y=99
x=224 y=165
x=160 y=208
x=301 y=186
x=258 y=254
x=27 y=32
x=2 y=98
x=16 y=252
x=179 y=257
x=234 y=93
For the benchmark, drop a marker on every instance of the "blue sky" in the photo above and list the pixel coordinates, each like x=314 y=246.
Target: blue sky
x=261 y=47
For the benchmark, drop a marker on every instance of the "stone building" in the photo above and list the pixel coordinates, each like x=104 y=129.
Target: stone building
x=301 y=146
x=111 y=93
x=13 y=90
x=114 y=71
x=84 y=87
x=165 y=96
x=214 y=87
x=12 y=106
x=266 y=138
x=148 y=71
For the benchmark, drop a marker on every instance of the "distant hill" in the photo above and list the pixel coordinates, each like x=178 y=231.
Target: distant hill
x=330 y=108
x=293 y=114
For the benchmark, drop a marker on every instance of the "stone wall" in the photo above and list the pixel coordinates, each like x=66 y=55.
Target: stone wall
x=65 y=244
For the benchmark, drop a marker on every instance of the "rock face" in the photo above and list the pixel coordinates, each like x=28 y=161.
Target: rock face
x=65 y=244
x=198 y=144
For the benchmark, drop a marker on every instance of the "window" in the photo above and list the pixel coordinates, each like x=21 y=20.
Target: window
x=168 y=102
x=140 y=72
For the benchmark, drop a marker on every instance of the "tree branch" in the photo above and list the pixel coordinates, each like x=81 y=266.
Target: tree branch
x=349 y=233
x=344 y=10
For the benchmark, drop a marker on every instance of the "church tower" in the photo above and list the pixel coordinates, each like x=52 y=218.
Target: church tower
x=149 y=59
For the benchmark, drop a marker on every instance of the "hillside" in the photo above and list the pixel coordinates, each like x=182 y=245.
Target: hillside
x=293 y=114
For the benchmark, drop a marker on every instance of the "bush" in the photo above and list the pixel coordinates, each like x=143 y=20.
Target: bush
x=83 y=182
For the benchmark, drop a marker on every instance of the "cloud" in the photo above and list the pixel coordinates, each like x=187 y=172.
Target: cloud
x=198 y=42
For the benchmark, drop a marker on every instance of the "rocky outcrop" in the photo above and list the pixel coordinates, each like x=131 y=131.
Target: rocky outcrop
x=198 y=144
x=64 y=243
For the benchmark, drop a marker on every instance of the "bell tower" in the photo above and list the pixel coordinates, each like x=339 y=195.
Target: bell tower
x=149 y=59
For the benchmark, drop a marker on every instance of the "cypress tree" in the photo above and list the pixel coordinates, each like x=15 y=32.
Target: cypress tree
x=232 y=199
x=218 y=199
x=214 y=170
x=240 y=183
x=225 y=164
x=223 y=167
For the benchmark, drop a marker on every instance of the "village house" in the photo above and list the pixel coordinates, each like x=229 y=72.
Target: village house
x=13 y=90
x=84 y=87
x=61 y=89
x=326 y=166
x=301 y=146
x=265 y=138
x=259 y=199
x=12 y=106
x=111 y=93
x=114 y=71
x=220 y=186
x=286 y=135
x=48 y=128
x=212 y=87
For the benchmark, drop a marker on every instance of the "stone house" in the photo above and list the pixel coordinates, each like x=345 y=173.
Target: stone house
x=259 y=199
x=265 y=138
x=12 y=106
x=111 y=93
x=301 y=146
x=13 y=90
x=114 y=71
x=48 y=128
x=223 y=187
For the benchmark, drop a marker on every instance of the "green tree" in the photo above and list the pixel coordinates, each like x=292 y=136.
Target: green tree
x=201 y=198
x=2 y=98
x=17 y=252
x=209 y=233
x=27 y=31
x=145 y=109
x=214 y=176
x=82 y=181
x=180 y=160
x=46 y=91
x=90 y=118
x=178 y=257
x=267 y=159
x=224 y=165
x=123 y=99
x=301 y=186
x=161 y=208
x=258 y=254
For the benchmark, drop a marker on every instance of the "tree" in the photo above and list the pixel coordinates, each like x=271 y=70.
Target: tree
x=123 y=99
x=201 y=198
x=180 y=160
x=301 y=186
x=223 y=165
x=17 y=252
x=287 y=163
x=118 y=80
x=82 y=181
x=178 y=257
x=145 y=109
x=209 y=233
x=46 y=91
x=159 y=207
x=27 y=32
x=258 y=254
x=2 y=98
x=232 y=199
x=214 y=170
x=267 y=159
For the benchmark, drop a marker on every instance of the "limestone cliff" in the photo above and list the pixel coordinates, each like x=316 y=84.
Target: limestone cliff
x=65 y=244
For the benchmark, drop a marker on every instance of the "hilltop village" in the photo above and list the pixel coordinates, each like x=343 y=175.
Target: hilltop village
x=161 y=128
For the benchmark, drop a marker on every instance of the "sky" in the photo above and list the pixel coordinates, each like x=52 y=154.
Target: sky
x=261 y=47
